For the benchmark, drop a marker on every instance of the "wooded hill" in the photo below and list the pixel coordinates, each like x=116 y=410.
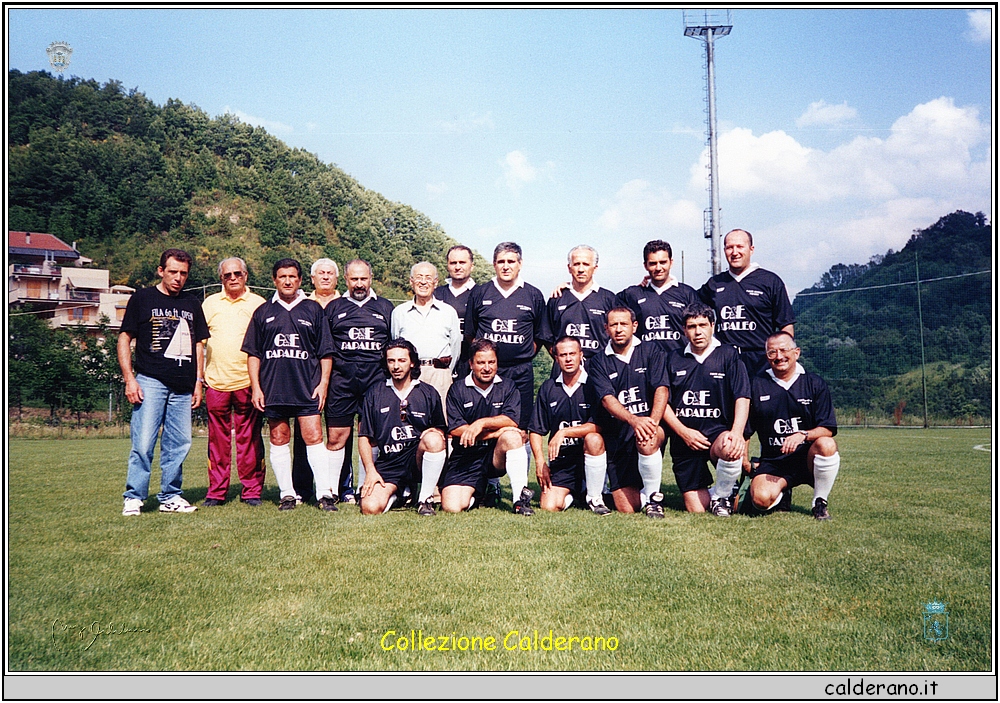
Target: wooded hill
x=859 y=327
x=126 y=178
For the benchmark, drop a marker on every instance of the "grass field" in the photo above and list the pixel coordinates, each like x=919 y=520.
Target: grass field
x=238 y=588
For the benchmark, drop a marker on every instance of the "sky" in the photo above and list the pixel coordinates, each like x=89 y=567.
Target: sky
x=840 y=130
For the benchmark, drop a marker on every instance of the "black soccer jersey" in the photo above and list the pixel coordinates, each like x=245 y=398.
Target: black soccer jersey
x=634 y=383
x=459 y=302
x=750 y=310
x=659 y=314
x=703 y=395
x=397 y=432
x=513 y=323
x=359 y=331
x=289 y=344
x=584 y=319
x=466 y=404
x=776 y=413
x=554 y=410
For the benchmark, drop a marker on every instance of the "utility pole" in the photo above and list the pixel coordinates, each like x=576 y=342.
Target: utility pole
x=708 y=25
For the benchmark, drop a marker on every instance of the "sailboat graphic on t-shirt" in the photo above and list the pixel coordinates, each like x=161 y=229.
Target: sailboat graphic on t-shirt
x=180 y=344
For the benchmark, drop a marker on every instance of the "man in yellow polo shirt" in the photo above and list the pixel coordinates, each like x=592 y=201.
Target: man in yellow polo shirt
x=228 y=393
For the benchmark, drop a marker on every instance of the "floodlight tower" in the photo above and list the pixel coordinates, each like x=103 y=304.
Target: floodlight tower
x=708 y=25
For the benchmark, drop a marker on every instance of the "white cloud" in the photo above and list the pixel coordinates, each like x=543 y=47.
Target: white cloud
x=464 y=125
x=980 y=26
x=436 y=190
x=517 y=170
x=639 y=207
x=271 y=126
x=820 y=113
x=927 y=152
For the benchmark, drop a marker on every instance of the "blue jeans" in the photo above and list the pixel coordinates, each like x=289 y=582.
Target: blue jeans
x=160 y=407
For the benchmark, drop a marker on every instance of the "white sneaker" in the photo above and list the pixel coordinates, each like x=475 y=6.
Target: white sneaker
x=133 y=506
x=177 y=505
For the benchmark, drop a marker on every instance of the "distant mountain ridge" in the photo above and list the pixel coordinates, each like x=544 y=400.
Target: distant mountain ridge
x=126 y=178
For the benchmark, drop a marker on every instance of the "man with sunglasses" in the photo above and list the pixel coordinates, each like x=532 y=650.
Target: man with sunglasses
x=792 y=413
x=404 y=419
x=231 y=414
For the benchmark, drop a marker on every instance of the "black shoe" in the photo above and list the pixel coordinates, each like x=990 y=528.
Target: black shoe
x=598 y=508
x=523 y=505
x=212 y=502
x=254 y=502
x=785 y=504
x=653 y=508
x=287 y=503
x=492 y=497
x=328 y=504
x=348 y=499
x=720 y=507
x=819 y=510
x=426 y=508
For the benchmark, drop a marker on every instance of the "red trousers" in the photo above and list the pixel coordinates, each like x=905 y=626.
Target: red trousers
x=229 y=411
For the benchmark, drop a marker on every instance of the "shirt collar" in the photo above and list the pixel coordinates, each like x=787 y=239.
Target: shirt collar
x=288 y=306
x=579 y=381
x=518 y=283
x=627 y=356
x=472 y=384
x=359 y=303
x=241 y=296
x=593 y=288
x=795 y=376
x=468 y=285
x=712 y=346
x=405 y=393
x=671 y=282
x=412 y=303
x=746 y=272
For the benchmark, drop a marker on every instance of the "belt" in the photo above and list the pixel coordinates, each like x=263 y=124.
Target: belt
x=443 y=363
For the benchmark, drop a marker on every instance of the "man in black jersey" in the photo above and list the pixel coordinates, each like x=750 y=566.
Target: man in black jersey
x=581 y=309
x=404 y=419
x=288 y=350
x=360 y=326
x=482 y=421
x=709 y=402
x=792 y=413
x=455 y=292
x=750 y=303
x=509 y=312
x=565 y=410
x=658 y=305
x=628 y=378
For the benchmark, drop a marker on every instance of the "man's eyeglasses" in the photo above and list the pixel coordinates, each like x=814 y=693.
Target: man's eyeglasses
x=775 y=353
x=232 y=274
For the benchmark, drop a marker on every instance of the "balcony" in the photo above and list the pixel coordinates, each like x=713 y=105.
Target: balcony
x=43 y=270
x=86 y=295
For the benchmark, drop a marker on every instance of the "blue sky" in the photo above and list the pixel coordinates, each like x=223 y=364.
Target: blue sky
x=841 y=130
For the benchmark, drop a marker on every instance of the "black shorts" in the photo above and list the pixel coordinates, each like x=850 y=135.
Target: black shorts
x=401 y=469
x=348 y=386
x=691 y=466
x=470 y=467
x=794 y=467
x=523 y=378
x=285 y=412
x=623 y=465
x=567 y=470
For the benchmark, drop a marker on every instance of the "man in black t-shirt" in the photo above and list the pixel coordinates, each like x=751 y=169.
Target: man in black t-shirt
x=707 y=411
x=792 y=414
x=404 y=420
x=169 y=330
x=580 y=310
x=455 y=292
x=288 y=350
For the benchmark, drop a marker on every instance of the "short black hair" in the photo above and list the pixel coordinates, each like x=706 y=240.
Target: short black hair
x=567 y=338
x=400 y=343
x=697 y=309
x=176 y=255
x=478 y=344
x=286 y=264
x=622 y=308
x=461 y=247
x=654 y=246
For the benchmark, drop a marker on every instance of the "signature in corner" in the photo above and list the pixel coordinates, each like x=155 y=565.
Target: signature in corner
x=93 y=631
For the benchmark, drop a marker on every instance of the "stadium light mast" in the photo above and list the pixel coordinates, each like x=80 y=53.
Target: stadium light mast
x=708 y=25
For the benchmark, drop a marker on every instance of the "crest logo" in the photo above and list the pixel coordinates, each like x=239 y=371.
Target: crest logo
x=59 y=53
x=935 y=621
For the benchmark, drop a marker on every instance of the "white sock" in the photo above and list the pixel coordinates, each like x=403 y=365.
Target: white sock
x=595 y=468
x=430 y=471
x=319 y=462
x=727 y=473
x=777 y=500
x=517 y=470
x=651 y=471
x=472 y=501
x=388 y=506
x=334 y=463
x=568 y=502
x=281 y=464
x=825 y=470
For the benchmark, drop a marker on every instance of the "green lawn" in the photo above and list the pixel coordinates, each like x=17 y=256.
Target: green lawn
x=238 y=588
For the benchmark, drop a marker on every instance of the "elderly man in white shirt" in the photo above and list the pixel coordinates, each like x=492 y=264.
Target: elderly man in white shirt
x=431 y=326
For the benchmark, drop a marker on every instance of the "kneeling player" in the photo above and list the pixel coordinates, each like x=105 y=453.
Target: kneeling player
x=566 y=406
x=792 y=413
x=709 y=403
x=404 y=419
x=483 y=412
x=628 y=378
